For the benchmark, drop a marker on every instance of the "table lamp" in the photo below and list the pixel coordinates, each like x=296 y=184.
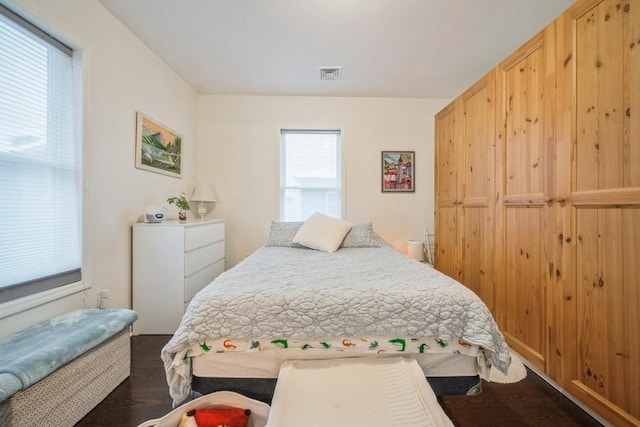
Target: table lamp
x=203 y=193
x=415 y=249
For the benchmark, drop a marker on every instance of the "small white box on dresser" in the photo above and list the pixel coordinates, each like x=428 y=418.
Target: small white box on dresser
x=172 y=261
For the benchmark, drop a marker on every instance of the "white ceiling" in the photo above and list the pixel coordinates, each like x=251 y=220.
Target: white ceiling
x=388 y=48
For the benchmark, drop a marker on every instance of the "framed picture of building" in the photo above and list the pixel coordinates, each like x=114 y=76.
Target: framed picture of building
x=158 y=148
x=398 y=171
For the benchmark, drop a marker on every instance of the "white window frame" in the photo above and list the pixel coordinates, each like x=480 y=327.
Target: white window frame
x=22 y=295
x=281 y=162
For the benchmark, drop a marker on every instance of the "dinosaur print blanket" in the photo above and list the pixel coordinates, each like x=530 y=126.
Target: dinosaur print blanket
x=305 y=294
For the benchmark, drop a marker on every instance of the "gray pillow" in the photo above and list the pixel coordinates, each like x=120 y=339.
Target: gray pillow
x=360 y=236
x=282 y=234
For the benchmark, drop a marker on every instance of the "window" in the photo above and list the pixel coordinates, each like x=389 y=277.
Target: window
x=310 y=173
x=40 y=209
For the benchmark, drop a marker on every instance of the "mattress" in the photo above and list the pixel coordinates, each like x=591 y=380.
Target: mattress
x=267 y=364
x=254 y=374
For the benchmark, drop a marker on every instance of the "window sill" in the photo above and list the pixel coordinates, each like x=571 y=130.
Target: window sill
x=19 y=305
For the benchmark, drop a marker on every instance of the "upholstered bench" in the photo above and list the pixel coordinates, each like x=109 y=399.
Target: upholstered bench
x=55 y=372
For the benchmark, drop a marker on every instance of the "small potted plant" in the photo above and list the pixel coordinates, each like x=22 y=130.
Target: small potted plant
x=182 y=204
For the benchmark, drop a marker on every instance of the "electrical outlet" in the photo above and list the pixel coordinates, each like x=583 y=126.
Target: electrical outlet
x=103 y=295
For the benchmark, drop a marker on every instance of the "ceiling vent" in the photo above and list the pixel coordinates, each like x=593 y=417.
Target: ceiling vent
x=330 y=73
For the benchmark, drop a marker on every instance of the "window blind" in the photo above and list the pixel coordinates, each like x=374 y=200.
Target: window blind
x=40 y=201
x=310 y=173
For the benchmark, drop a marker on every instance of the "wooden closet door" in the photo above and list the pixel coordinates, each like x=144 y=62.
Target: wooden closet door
x=447 y=249
x=602 y=363
x=527 y=180
x=476 y=220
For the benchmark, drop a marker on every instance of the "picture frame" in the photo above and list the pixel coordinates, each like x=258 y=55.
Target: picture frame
x=398 y=172
x=158 y=148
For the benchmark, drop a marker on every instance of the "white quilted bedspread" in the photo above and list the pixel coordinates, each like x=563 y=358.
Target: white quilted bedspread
x=301 y=293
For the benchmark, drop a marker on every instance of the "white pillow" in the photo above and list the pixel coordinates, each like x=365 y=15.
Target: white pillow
x=322 y=232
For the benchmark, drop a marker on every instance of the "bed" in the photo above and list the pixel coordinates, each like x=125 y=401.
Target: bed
x=366 y=299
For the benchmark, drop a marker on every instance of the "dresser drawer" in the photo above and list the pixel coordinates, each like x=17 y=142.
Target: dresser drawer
x=171 y=262
x=202 y=235
x=203 y=256
x=202 y=278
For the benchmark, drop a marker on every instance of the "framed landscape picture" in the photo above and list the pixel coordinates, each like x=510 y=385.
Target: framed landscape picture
x=398 y=171
x=158 y=148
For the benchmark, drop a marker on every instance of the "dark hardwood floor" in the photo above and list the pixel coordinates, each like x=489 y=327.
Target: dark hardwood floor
x=531 y=402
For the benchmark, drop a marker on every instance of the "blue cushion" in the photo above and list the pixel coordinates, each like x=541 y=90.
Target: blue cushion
x=30 y=355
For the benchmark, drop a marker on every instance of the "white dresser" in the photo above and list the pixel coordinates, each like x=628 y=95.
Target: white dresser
x=171 y=262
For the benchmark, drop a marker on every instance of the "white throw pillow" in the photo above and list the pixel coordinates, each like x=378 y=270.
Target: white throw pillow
x=322 y=232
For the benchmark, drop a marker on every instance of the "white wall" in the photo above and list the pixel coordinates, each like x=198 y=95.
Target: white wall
x=233 y=138
x=239 y=147
x=121 y=76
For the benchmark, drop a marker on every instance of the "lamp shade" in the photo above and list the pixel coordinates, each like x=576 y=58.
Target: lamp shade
x=415 y=249
x=204 y=192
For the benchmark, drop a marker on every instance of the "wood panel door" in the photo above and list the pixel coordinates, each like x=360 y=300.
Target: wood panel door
x=601 y=47
x=478 y=174
x=447 y=237
x=526 y=185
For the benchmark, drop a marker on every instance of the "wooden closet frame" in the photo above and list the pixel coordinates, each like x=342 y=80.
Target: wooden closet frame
x=585 y=222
